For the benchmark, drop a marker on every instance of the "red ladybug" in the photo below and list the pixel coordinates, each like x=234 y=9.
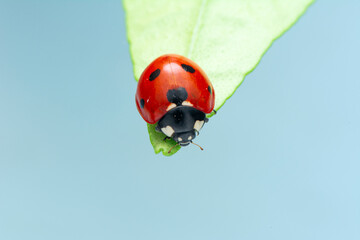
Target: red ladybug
x=175 y=93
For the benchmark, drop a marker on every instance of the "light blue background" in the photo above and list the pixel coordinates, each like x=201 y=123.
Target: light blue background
x=281 y=158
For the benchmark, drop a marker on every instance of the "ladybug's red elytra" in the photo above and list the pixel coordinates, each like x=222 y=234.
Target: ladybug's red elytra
x=175 y=93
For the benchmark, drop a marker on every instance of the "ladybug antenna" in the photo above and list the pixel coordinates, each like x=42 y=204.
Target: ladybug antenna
x=173 y=147
x=197 y=145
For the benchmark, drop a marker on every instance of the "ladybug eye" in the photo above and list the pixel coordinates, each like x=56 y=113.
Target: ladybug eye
x=154 y=74
x=188 y=68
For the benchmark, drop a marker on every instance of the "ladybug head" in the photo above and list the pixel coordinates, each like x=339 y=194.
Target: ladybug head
x=182 y=123
x=184 y=138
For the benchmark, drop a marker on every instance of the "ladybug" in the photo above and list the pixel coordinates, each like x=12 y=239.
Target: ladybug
x=174 y=92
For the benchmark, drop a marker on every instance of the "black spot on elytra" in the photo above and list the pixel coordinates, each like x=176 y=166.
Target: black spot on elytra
x=209 y=89
x=142 y=103
x=154 y=74
x=188 y=68
x=177 y=95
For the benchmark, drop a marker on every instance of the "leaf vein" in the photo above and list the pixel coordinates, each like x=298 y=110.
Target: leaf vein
x=196 y=28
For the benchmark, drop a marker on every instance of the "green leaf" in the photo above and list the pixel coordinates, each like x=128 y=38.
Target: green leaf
x=226 y=38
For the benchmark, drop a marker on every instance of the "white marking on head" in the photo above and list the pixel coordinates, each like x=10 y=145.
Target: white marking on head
x=189 y=138
x=168 y=131
x=171 y=106
x=179 y=139
x=187 y=103
x=198 y=125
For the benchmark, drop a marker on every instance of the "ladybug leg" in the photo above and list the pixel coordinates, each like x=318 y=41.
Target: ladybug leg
x=206 y=119
x=214 y=111
x=166 y=138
